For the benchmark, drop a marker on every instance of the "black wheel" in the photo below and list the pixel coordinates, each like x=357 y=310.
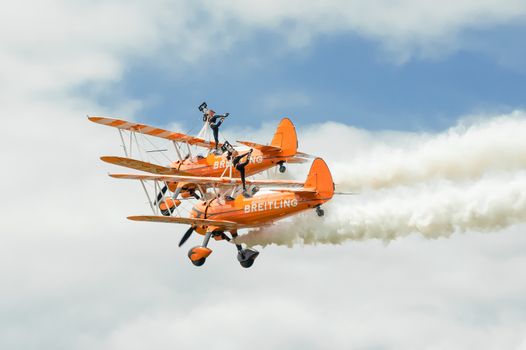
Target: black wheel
x=199 y=262
x=282 y=168
x=246 y=257
x=320 y=212
x=246 y=264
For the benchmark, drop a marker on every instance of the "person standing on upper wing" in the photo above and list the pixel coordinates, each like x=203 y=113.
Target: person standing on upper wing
x=240 y=166
x=215 y=121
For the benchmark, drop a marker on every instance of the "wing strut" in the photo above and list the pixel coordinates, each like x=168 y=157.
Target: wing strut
x=176 y=146
x=142 y=181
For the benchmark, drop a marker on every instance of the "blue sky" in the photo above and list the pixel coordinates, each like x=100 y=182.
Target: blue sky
x=340 y=77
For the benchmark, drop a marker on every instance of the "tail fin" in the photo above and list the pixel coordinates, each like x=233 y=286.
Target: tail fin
x=320 y=178
x=285 y=138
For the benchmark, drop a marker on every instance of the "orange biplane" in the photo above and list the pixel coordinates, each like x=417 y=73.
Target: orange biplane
x=230 y=211
x=282 y=150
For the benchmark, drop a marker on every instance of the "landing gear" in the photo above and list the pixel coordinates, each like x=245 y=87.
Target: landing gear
x=199 y=262
x=282 y=167
x=199 y=254
x=320 y=211
x=246 y=257
x=168 y=206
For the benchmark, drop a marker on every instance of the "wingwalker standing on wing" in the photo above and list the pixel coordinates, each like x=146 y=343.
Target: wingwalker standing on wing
x=240 y=166
x=214 y=120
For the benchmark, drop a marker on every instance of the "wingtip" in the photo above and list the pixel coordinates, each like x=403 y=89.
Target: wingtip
x=107 y=159
x=134 y=217
x=93 y=118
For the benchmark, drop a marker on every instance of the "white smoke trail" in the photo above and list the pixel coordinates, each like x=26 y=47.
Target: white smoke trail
x=433 y=210
x=472 y=177
x=466 y=151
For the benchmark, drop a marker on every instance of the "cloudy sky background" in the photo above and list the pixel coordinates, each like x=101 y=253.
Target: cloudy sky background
x=76 y=275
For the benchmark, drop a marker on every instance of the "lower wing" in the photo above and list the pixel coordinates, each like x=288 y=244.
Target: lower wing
x=188 y=221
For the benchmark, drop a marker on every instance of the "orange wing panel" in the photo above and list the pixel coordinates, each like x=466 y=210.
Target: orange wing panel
x=186 y=221
x=139 y=165
x=152 y=131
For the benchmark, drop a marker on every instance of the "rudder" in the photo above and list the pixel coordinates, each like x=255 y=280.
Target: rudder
x=320 y=178
x=286 y=138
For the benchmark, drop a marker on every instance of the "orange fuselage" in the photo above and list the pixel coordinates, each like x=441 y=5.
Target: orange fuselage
x=258 y=210
x=217 y=165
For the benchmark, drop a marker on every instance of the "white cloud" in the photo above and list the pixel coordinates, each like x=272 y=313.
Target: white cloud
x=402 y=27
x=54 y=44
x=76 y=275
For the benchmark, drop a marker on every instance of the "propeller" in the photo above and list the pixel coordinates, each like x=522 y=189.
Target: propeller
x=186 y=235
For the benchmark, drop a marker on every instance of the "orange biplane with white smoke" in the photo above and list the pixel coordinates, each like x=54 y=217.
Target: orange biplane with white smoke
x=230 y=211
x=222 y=205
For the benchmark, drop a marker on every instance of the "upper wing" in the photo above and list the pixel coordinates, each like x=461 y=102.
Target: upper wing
x=152 y=131
x=262 y=148
x=140 y=165
x=188 y=221
x=207 y=180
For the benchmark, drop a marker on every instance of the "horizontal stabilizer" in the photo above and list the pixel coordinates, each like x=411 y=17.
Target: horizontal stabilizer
x=298 y=160
x=152 y=131
x=296 y=190
x=305 y=155
x=262 y=148
x=139 y=165
x=187 y=221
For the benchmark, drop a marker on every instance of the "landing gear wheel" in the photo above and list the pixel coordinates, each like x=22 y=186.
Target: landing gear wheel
x=282 y=168
x=246 y=257
x=320 y=211
x=198 y=255
x=199 y=262
x=247 y=264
